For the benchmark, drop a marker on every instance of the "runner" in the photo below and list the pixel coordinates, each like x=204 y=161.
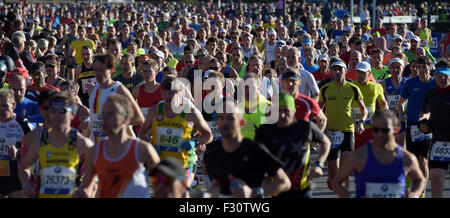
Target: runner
x=105 y=86
x=12 y=130
x=248 y=162
x=283 y=140
x=118 y=159
x=81 y=113
x=129 y=78
x=167 y=179
x=170 y=124
x=381 y=167
x=37 y=72
x=337 y=96
x=52 y=70
x=372 y=94
x=85 y=74
x=436 y=106
x=58 y=149
x=414 y=91
x=25 y=107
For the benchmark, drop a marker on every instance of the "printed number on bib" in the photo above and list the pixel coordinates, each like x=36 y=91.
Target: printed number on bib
x=85 y=82
x=417 y=135
x=97 y=125
x=169 y=139
x=356 y=113
x=214 y=129
x=57 y=180
x=384 y=190
x=440 y=151
x=393 y=101
x=336 y=138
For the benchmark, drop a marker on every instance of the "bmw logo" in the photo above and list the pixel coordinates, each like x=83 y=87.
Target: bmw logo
x=49 y=154
x=169 y=131
x=384 y=188
x=57 y=169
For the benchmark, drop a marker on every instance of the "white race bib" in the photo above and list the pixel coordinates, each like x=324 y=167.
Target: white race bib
x=393 y=101
x=214 y=129
x=356 y=113
x=440 y=151
x=96 y=125
x=417 y=135
x=384 y=190
x=57 y=180
x=169 y=139
x=336 y=138
x=85 y=82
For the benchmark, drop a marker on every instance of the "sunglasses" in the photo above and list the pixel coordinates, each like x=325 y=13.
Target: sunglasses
x=163 y=180
x=59 y=110
x=384 y=130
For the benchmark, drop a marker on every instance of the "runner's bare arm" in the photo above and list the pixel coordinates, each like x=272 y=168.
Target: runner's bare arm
x=135 y=92
x=363 y=109
x=414 y=173
x=148 y=154
x=325 y=147
x=383 y=103
x=281 y=183
x=348 y=166
x=138 y=118
x=31 y=140
x=201 y=125
x=401 y=105
x=83 y=144
x=89 y=173
x=321 y=120
x=146 y=127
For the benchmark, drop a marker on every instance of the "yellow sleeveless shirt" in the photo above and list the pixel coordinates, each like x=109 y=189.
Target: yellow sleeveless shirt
x=170 y=133
x=58 y=167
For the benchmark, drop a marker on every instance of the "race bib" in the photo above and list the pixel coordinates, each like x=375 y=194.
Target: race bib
x=144 y=111
x=393 y=101
x=169 y=139
x=336 y=138
x=57 y=180
x=215 y=130
x=85 y=82
x=356 y=113
x=417 y=135
x=384 y=190
x=96 y=125
x=440 y=151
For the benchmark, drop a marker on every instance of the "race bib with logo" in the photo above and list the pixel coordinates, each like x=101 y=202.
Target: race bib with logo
x=393 y=101
x=417 y=135
x=356 y=113
x=215 y=130
x=57 y=180
x=336 y=138
x=85 y=82
x=440 y=151
x=384 y=190
x=169 y=139
x=10 y=134
x=96 y=123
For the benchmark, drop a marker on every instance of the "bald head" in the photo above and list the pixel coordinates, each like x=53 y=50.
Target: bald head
x=18 y=84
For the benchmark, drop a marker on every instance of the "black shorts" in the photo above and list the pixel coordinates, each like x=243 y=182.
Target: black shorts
x=420 y=148
x=348 y=144
x=12 y=182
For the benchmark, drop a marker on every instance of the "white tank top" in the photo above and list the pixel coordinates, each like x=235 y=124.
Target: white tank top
x=270 y=52
x=96 y=101
x=249 y=53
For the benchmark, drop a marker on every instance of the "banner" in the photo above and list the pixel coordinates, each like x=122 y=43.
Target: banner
x=434 y=50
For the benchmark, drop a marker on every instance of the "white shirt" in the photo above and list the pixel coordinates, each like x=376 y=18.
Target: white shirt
x=308 y=85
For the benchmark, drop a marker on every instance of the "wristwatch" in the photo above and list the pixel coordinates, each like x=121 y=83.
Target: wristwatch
x=318 y=164
x=259 y=192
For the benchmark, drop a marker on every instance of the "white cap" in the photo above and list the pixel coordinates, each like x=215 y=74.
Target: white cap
x=397 y=60
x=222 y=31
x=188 y=14
x=159 y=53
x=271 y=31
x=363 y=66
x=339 y=63
x=324 y=57
x=417 y=38
x=226 y=21
x=398 y=37
x=248 y=26
x=207 y=73
x=417 y=19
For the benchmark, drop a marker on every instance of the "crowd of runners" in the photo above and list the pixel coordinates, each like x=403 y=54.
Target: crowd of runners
x=170 y=100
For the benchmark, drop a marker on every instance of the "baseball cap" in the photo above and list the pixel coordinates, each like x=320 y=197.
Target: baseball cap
x=37 y=68
x=443 y=70
x=363 y=66
x=289 y=74
x=397 y=60
x=393 y=26
x=307 y=41
x=257 y=25
x=226 y=21
x=271 y=31
x=339 y=63
x=417 y=38
x=398 y=37
x=222 y=31
x=36 y=19
x=324 y=57
x=159 y=53
x=247 y=26
x=417 y=19
x=146 y=22
x=172 y=167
